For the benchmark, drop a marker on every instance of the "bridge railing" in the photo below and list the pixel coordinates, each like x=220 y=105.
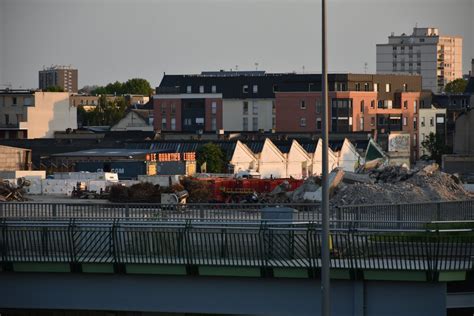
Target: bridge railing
x=380 y=216
x=248 y=244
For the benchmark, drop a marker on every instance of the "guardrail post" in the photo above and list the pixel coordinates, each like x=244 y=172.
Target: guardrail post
x=55 y=211
x=399 y=216
x=358 y=216
x=72 y=247
x=201 y=212
x=4 y=247
x=127 y=210
x=438 y=211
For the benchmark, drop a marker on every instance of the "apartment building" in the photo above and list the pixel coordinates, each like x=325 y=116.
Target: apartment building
x=437 y=58
x=60 y=76
x=35 y=114
x=376 y=104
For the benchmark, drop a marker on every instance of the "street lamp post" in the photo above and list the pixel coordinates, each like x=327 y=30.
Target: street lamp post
x=325 y=260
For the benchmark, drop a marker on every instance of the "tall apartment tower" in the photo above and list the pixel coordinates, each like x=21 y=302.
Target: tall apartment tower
x=437 y=58
x=61 y=76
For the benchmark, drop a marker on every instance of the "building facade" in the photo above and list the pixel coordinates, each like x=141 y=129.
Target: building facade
x=35 y=114
x=437 y=58
x=434 y=121
x=60 y=76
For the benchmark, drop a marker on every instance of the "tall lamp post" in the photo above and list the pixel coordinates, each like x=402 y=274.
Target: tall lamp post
x=325 y=260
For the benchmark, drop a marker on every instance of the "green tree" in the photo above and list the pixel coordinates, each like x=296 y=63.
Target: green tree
x=137 y=86
x=212 y=155
x=116 y=88
x=54 y=89
x=435 y=145
x=106 y=113
x=456 y=86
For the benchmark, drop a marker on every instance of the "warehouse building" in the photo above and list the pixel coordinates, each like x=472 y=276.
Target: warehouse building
x=129 y=163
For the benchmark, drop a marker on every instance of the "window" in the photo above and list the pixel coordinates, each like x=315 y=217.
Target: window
x=273 y=108
x=275 y=88
x=245 y=123
x=254 y=109
x=357 y=86
x=361 y=106
x=173 y=108
x=414 y=106
x=303 y=122
x=394 y=47
x=431 y=121
x=376 y=87
x=187 y=122
x=388 y=87
x=422 y=40
x=303 y=105
x=213 y=89
x=415 y=125
x=255 y=88
x=361 y=123
x=366 y=86
x=7 y=119
x=245 y=89
x=405 y=104
x=213 y=124
x=163 y=123
x=423 y=121
x=173 y=124
x=318 y=106
x=372 y=121
x=213 y=107
x=189 y=89
x=163 y=109
x=255 y=123
x=404 y=121
x=372 y=104
x=246 y=108
x=414 y=139
x=201 y=89
x=405 y=87
x=318 y=123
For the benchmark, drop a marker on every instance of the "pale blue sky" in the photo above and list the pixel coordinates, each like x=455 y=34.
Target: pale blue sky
x=110 y=40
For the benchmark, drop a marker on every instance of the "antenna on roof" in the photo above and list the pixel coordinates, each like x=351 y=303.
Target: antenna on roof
x=365 y=67
x=236 y=67
x=303 y=68
x=256 y=66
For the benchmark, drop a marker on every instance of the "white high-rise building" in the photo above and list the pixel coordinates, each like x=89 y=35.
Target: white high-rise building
x=437 y=58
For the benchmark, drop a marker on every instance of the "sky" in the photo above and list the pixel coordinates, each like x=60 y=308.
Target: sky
x=109 y=40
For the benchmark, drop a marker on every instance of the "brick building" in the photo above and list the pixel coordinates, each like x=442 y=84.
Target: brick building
x=255 y=101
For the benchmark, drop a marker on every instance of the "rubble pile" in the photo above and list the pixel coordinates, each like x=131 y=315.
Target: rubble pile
x=13 y=192
x=398 y=184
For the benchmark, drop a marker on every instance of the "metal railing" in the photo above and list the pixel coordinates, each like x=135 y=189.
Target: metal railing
x=379 y=216
x=266 y=245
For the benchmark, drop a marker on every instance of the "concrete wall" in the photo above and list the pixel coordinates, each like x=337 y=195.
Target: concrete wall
x=235 y=295
x=13 y=158
x=52 y=112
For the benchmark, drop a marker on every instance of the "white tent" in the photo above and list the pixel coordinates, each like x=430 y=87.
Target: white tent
x=243 y=158
x=271 y=162
x=298 y=161
x=317 y=159
x=348 y=159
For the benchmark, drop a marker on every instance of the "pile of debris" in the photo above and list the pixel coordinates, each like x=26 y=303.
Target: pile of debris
x=399 y=184
x=13 y=192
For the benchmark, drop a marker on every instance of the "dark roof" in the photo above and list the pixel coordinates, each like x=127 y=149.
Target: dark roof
x=231 y=83
x=109 y=152
x=470 y=86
